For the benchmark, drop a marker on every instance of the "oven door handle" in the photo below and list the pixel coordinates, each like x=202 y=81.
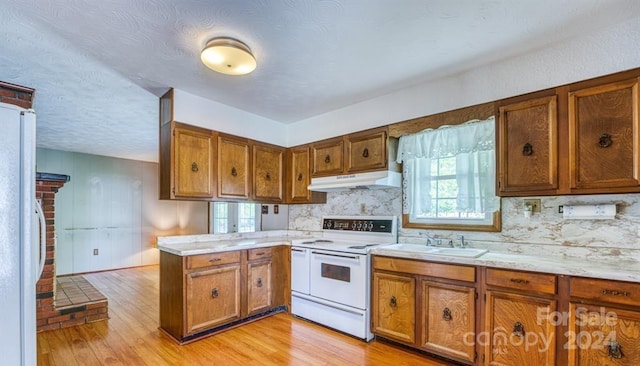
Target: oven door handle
x=337 y=255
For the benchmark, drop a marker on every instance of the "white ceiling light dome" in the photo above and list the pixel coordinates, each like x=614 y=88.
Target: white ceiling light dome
x=228 y=56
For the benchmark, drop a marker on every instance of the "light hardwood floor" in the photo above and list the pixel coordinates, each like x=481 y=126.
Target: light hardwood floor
x=131 y=336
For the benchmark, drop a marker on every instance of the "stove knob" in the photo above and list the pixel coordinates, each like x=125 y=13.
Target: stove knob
x=353 y=226
x=359 y=225
x=371 y=226
x=328 y=224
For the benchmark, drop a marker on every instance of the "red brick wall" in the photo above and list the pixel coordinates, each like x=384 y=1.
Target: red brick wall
x=16 y=95
x=45 y=287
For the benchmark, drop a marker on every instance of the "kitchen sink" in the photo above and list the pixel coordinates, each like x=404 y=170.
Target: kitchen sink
x=452 y=252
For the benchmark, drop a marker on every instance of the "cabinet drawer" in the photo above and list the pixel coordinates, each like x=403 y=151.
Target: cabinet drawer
x=258 y=253
x=212 y=259
x=525 y=281
x=425 y=268
x=605 y=290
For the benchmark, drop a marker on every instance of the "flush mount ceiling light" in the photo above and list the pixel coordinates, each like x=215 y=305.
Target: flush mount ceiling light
x=228 y=56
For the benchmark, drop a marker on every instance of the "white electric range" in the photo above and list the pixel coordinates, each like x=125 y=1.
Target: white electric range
x=331 y=274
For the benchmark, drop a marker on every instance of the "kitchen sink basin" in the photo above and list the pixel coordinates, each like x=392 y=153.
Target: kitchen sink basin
x=452 y=252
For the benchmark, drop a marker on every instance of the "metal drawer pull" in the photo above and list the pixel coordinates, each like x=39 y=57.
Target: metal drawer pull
x=605 y=140
x=518 y=330
x=446 y=314
x=215 y=260
x=299 y=177
x=519 y=280
x=616 y=293
x=527 y=149
x=214 y=293
x=194 y=167
x=261 y=253
x=365 y=153
x=614 y=350
x=259 y=282
x=268 y=176
x=327 y=159
x=393 y=302
x=234 y=172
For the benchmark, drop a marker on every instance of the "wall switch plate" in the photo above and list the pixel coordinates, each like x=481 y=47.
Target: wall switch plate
x=95 y=251
x=265 y=209
x=536 y=204
x=276 y=209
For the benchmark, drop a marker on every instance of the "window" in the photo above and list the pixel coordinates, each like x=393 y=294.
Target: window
x=229 y=217
x=449 y=178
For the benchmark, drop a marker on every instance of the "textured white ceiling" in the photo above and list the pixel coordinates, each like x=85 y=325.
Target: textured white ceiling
x=98 y=66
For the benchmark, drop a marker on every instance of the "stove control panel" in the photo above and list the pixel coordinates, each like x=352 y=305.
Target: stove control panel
x=374 y=226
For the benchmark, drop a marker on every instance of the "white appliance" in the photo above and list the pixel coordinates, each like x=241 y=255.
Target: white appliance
x=331 y=274
x=20 y=265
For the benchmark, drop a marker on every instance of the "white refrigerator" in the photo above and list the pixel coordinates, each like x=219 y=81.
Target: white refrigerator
x=21 y=236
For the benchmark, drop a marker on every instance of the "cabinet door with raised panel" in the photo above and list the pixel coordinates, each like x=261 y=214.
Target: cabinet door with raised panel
x=299 y=174
x=193 y=162
x=258 y=286
x=604 y=136
x=328 y=157
x=528 y=147
x=268 y=169
x=367 y=150
x=393 y=308
x=212 y=297
x=234 y=179
x=517 y=330
x=601 y=335
x=448 y=323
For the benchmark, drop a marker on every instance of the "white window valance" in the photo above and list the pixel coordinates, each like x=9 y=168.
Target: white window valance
x=473 y=146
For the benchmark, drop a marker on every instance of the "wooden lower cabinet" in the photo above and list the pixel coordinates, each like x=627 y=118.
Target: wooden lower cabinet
x=449 y=323
x=200 y=294
x=394 y=307
x=601 y=336
x=516 y=333
x=212 y=297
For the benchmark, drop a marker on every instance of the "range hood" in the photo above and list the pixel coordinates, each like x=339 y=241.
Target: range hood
x=347 y=182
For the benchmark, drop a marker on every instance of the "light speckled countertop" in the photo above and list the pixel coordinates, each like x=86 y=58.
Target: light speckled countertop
x=614 y=270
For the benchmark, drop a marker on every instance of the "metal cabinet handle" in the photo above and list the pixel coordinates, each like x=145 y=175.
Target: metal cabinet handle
x=605 y=140
x=616 y=293
x=518 y=330
x=214 y=292
x=327 y=159
x=614 y=350
x=267 y=176
x=260 y=253
x=393 y=302
x=527 y=149
x=299 y=177
x=194 y=167
x=446 y=314
x=365 y=153
x=259 y=282
x=519 y=280
x=215 y=259
x=234 y=172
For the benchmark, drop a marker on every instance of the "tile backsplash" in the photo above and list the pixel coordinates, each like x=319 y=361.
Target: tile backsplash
x=544 y=233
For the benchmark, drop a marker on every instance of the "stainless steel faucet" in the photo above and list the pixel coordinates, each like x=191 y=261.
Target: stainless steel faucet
x=463 y=244
x=431 y=240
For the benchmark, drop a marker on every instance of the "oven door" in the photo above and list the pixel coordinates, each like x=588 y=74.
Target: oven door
x=339 y=277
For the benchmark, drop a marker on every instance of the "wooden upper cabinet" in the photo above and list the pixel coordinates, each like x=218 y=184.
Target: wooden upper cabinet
x=298 y=174
x=603 y=137
x=268 y=171
x=528 y=147
x=328 y=157
x=367 y=150
x=186 y=162
x=234 y=174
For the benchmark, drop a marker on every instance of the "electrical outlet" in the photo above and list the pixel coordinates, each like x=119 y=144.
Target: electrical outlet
x=276 y=209
x=265 y=209
x=535 y=204
x=95 y=251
